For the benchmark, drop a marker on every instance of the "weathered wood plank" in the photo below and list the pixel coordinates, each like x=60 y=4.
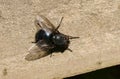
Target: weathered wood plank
x=96 y=22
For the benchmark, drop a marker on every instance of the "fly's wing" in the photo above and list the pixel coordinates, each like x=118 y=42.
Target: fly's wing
x=42 y=22
x=37 y=51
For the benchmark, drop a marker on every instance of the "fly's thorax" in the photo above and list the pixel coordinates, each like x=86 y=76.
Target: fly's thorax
x=43 y=35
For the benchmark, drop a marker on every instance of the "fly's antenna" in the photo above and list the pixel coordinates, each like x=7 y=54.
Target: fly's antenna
x=59 y=24
x=71 y=37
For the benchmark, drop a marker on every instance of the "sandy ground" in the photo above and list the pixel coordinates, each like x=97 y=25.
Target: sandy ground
x=96 y=22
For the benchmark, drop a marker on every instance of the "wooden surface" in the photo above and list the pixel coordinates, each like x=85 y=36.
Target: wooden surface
x=96 y=22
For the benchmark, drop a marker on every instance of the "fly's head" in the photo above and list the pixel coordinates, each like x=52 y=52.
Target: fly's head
x=60 y=39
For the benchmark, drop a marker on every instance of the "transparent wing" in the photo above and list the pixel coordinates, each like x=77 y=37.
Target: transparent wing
x=37 y=51
x=44 y=23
